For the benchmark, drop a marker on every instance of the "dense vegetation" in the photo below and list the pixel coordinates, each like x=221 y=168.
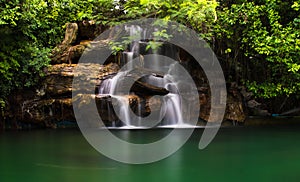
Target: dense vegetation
x=262 y=43
x=29 y=29
x=257 y=42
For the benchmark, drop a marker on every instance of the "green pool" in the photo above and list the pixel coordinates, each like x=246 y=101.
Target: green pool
x=236 y=154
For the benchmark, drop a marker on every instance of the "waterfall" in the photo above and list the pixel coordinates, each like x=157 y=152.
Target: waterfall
x=172 y=102
x=173 y=113
x=123 y=110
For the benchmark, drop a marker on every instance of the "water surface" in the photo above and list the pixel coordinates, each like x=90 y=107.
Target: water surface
x=236 y=154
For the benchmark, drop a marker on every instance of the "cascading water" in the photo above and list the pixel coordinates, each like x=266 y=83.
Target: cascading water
x=108 y=87
x=172 y=108
x=173 y=111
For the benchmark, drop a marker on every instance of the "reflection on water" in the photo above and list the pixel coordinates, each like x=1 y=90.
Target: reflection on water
x=236 y=154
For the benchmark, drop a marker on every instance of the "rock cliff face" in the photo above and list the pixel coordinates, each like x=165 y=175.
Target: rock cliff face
x=51 y=103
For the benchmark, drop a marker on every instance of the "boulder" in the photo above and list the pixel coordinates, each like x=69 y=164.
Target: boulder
x=60 y=54
x=78 y=37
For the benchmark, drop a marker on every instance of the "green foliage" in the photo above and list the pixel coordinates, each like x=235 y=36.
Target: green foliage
x=23 y=54
x=257 y=41
x=195 y=14
x=264 y=37
x=29 y=29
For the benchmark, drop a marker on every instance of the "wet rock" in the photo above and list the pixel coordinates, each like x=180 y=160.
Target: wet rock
x=46 y=111
x=253 y=104
x=59 y=79
x=235 y=107
x=143 y=88
x=204 y=101
x=105 y=106
x=257 y=109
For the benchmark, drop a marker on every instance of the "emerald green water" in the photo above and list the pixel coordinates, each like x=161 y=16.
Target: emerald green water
x=236 y=154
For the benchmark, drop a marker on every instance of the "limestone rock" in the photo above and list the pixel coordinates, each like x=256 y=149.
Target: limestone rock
x=60 y=54
x=59 y=79
x=105 y=108
x=78 y=37
x=47 y=111
x=235 y=107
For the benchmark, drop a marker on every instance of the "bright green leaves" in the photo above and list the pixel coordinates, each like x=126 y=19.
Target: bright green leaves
x=153 y=45
x=117 y=47
x=296 y=5
x=197 y=14
x=22 y=56
x=264 y=36
x=9 y=14
x=294 y=67
x=161 y=35
x=271 y=90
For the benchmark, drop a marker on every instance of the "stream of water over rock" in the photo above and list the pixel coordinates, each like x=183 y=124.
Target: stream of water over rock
x=171 y=112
